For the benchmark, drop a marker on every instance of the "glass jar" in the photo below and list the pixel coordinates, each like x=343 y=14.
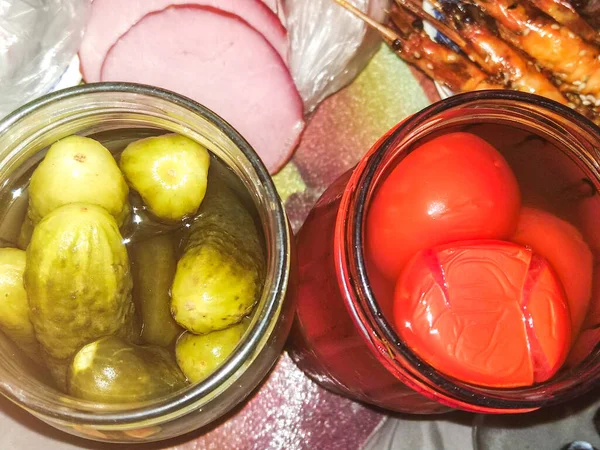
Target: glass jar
x=342 y=336
x=110 y=107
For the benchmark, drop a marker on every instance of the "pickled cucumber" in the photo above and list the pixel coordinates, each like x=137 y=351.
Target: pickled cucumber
x=25 y=233
x=78 y=280
x=220 y=276
x=14 y=305
x=124 y=217
x=112 y=371
x=153 y=268
x=169 y=172
x=200 y=355
x=77 y=169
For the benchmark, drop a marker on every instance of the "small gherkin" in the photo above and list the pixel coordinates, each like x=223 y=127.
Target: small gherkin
x=78 y=282
x=14 y=305
x=220 y=276
x=169 y=172
x=25 y=233
x=153 y=267
x=200 y=355
x=78 y=169
x=110 y=370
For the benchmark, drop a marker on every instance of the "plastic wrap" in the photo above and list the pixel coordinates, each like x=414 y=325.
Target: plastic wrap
x=277 y=7
x=38 y=40
x=329 y=46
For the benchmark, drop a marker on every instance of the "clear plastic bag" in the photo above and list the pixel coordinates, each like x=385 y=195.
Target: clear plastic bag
x=329 y=46
x=38 y=40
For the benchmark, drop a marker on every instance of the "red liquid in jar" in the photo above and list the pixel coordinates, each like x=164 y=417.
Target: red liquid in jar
x=334 y=348
x=326 y=343
x=487 y=313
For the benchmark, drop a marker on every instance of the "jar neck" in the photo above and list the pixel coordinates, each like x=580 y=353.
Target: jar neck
x=565 y=128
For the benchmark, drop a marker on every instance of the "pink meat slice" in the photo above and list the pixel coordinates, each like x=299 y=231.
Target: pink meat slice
x=277 y=7
x=271 y=4
x=110 y=19
x=222 y=63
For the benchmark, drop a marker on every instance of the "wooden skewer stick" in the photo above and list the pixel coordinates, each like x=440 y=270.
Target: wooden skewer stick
x=437 y=24
x=386 y=32
x=444 y=29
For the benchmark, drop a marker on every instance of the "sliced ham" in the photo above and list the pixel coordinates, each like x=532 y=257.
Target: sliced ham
x=110 y=19
x=220 y=61
x=272 y=4
x=277 y=7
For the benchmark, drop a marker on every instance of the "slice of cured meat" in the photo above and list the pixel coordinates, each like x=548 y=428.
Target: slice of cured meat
x=222 y=63
x=110 y=19
x=277 y=7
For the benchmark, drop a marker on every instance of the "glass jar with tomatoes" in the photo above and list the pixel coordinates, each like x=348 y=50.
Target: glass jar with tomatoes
x=454 y=266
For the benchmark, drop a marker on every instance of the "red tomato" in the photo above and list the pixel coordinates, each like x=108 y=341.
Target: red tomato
x=454 y=187
x=563 y=246
x=486 y=312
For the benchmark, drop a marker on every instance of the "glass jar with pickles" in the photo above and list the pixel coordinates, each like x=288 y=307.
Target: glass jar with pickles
x=145 y=264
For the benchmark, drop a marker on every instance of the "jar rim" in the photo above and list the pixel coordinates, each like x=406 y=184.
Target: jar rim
x=352 y=272
x=154 y=412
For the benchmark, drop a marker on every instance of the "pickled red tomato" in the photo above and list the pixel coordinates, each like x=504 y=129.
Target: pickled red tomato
x=454 y=187
x=486 y=312
x=564 y=248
